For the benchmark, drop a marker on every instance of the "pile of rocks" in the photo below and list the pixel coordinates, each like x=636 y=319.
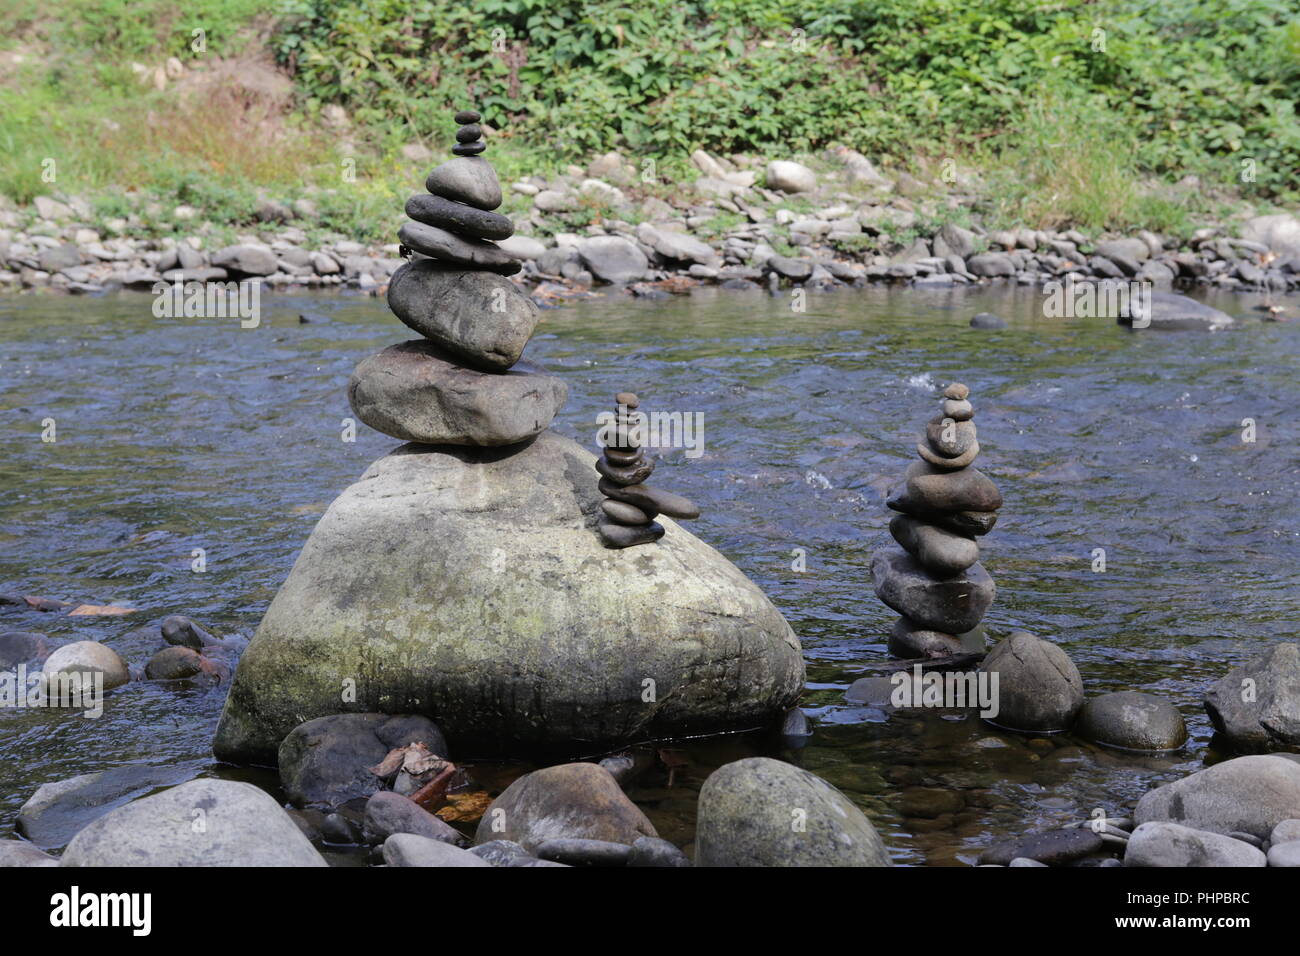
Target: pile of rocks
x=936 y=582
x=630 y=507
x=462 y=383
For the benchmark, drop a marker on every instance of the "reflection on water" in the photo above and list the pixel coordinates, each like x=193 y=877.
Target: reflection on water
x=182 y=434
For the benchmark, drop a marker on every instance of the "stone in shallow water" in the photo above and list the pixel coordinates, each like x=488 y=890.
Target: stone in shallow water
x=480 y=317
x=1270 y=719
x=1252 y=794
x=1039 y=688
x=448 y=247
x=173 y=663
x=468 y=180
x=471 y=584
x=1131 y=720
x=458 y=217
x=89 y=658
x=951 y=604
x=577 y=852
x=388 y=813
x=415 y=392
x=1055 y=847
x=936 y=549
x=1171 y=844
x=745 y=813
x=927 y=490
x=408 y=849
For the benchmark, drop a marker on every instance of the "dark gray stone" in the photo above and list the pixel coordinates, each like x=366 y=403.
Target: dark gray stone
x=651 y=851
x=1039 y=688
x=951 y=604
x=465 y=252
x=936 y=549
x=990 y=264
x=182 y=632
x=1172 y=311
x=650 y=499
x=25 y=647
x=578 y=852
x=927 y=490
x=1268 y=717
x=987 y=320
x=500 y=852
x=458 y=217
x=468 y=180
x=174 y=663
x=388 y=813
x=416 y=392
x=616 y=535
x=1052 y=848
x=327 y=761
x=1131 y=720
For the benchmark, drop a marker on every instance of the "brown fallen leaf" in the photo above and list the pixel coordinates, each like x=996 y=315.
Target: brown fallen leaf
x=465 y=807
x=86 y=610
x=432 y=793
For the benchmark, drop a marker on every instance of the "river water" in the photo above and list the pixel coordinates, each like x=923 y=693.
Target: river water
x=181 y=434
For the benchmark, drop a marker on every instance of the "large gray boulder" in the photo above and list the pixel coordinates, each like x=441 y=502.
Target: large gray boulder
x=246 y=260
x=613 y=259
x=1257 y=706
x=1172 y=844
x=569 y=801
x=1169 y=310
x=200 y=823
x=480 y=317
x=415 y=392
x=1280 y=232
x=1039 y=689
x=472 y=586
x=57 y=811
x=765 y=812
x=1248 y=795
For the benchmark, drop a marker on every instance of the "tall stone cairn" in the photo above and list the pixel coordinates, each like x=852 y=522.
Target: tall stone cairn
x=630 y=506
x=462 y=383
x=936 y=581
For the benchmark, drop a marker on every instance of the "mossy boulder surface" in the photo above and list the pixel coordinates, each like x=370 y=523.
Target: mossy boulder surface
x=471 y=585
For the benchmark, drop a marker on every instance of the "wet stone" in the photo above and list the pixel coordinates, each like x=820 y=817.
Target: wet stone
x=468 y=134
x=464 y=117
x=469 y=149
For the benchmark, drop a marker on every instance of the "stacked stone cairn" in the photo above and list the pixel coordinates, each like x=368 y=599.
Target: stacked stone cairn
x=936 y=581
x=630 y=507
x=463 y=382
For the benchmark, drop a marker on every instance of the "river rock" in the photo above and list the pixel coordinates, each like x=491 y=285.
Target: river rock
x=466 y=179
x=1052 y=848
x=1287 y=831
x=1252 y=794
x=57 y=811
x=790 y=177
x=1131 y=720
x=245 y=260
x=1171 y=844
x=937 y=549
x=1284 y=854
x=1039 y=688
x=987 y=320
x=927 y=490
x=908 y=641
x=25 y=647
x=480 y=317
x=458 y=218
x=951 y=604
x=388 y=813
x=1270 y=718
x=416 y=392
x=1280 y=232
x=1172 y=311
x=326 y=761
x=577 y=852
x=677 y=246
x=765 y=812
x=14 y=853
x=568 y=801
x=242 y=825
x=89 y=657
x=613 y=259
x=174 y=663
x=991 y=264
x=182 y=632
x=409 y=849
x=652 y=851
x=448 y=247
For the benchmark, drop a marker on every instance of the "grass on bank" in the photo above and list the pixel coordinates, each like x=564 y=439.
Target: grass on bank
x=1061 y=133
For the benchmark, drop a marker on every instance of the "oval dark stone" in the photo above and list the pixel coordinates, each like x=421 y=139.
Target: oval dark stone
x=467 y=116
x=469 y=149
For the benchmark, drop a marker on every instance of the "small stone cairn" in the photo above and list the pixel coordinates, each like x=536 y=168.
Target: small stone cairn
x=936 y=581
x=463 y=382
x=630 y=507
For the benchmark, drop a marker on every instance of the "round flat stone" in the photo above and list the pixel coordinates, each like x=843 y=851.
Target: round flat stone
x=616 y=535
x=948 y=437
x=628 y=399
x=952 y=604
x=956 y=391
x=647 y=498
x=469 y=133
x=621 y=459
x=469 y=149
x=415 y=392
x=962 y=411
x=466 y=179
x=624 y=513
x=927 y=489
x=948 y=464
x=627 y=475
x=457 y=217
x=448 y=247
x=937 y=549
x=467 y=116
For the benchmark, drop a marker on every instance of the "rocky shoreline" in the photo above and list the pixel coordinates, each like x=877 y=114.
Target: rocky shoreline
x=846 y=227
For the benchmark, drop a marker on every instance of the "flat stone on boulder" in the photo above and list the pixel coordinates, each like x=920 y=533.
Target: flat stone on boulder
x=571 y=801
x=242 y=825
x=471 y=585
x=467 y=179
x=747 y=815
x=480 y=317
x=416 y=392
x=457 y=250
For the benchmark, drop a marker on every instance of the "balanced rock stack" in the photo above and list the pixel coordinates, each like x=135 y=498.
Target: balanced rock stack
x=463 y=383
x=630 y=507
x=936 y=582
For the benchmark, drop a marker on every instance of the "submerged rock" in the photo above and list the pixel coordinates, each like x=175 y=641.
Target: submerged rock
x=1170 y=310
x=200 y=823
x=1251 y=794
x=1132 y=721
x=569 y=801
x=1268 y=717
x=765 y=812
x=472 y=585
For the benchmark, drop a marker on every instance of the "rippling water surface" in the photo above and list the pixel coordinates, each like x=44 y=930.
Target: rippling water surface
x=183 y=434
